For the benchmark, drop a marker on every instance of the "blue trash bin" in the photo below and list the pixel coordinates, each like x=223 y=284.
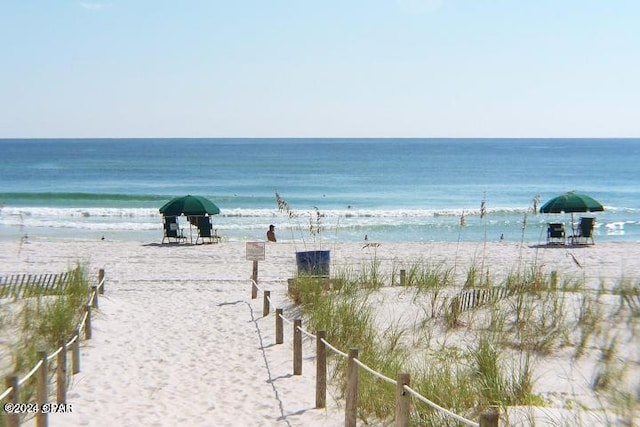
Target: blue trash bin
x=313 y=263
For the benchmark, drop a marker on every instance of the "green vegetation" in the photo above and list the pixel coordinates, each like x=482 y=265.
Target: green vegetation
x=469 y=357
x=43 y=318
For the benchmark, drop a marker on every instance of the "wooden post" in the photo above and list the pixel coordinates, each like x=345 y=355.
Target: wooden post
x=61 y=374
x=321 y=370
x=403 y=277
x=351 y=393
x=254 y=277
x=279 y=334
x=101 y=280
x=490 y=418
x=87 y=325
x=265 y=303
x=75 y=353
x=297 y=347
x=403 y=401
x=42 y=392
x=94 y=290
x=12 y=419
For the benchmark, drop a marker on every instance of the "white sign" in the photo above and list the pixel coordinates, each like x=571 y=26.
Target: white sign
x=255 y=251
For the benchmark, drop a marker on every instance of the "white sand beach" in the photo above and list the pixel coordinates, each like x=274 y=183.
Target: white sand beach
x=177 y=339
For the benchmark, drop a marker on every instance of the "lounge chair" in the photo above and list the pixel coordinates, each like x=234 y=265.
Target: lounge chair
x=556 y=234
x=205 y=230
x=172 y=230
x=584 y=231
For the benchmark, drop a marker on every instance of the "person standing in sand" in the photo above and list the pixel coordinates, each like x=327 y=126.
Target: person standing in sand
x=271 y=234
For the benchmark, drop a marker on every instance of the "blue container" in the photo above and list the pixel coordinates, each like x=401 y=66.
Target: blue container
x=313 y=263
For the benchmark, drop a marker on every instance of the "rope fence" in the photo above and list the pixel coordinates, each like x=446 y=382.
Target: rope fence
x=11 y=395
x=31 y=372
x=375 y=373
x=335 y=350
x=289 y=322
x=403 y=391
x=438 y=407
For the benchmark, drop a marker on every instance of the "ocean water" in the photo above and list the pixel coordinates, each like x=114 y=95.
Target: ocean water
x=384 y=189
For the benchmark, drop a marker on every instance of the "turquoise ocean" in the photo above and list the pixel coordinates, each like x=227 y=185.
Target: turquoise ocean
x=390 y=190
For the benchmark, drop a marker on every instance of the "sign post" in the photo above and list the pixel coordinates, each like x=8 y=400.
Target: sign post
x=255 y=253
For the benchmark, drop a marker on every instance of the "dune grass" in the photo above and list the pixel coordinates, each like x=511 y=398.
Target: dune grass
x=486 y=355
x=43 y=321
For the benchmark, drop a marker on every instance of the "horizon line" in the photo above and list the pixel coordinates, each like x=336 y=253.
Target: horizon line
x=325 y=137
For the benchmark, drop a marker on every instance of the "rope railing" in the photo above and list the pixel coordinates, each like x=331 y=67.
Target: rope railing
x=83 y=322
x=287 y=321
x=30 y=373
x=74 y=339
x=375 y=373
x=335 y=350
x=309 y=334
x=490 y=418
x=12 y=392
x=438 y=407
x=254 y=283
x=54 y=354
x=391 y=381
x=92 y=298
x=6 y=393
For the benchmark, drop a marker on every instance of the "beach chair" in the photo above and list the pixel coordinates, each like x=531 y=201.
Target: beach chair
x=205 y=230
x=584 y=231
x=556 y=234
x=172 y=230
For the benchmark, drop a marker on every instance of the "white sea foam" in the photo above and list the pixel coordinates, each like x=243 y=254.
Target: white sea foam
x=56 y=212
x=348 y=224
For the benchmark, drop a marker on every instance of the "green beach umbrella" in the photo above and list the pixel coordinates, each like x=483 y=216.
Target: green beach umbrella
x=572 y=202
x=189 y=205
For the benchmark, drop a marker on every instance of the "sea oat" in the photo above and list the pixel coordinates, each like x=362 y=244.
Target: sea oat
x=315 y=226
x=536 y=201
x=283 y=206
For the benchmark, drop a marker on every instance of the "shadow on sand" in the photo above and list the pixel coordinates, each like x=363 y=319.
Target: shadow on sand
x=559 y=246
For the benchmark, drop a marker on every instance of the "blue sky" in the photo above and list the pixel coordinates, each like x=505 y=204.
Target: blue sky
x=302 y=68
